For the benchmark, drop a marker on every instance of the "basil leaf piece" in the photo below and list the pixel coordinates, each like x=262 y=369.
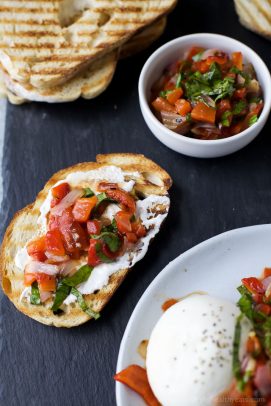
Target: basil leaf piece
x=101 y=255
x=239 y=107
x=80 y=276
x=225 y=119
x=35 y=294
x=88 y=192
x=111 y=228
x=213 y=73
x=253 y=119
x=197 y=57
x=164 y=93
x=65 y=285
x=111 y=240
x=83 y=304
x=179 y=80
x=62 y=293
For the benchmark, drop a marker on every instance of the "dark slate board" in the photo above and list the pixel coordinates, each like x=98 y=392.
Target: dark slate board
x=47 y=366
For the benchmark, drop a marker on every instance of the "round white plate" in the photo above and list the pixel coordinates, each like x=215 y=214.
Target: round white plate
x=215 y=266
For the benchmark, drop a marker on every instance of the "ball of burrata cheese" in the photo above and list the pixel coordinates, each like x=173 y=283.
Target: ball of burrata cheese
x=189 y=355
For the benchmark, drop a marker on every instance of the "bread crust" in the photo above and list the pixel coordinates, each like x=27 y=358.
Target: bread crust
x=23 y=227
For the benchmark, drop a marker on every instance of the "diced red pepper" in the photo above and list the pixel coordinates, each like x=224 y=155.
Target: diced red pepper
x=73 y=235
x=29 y=278
x=161 y=104
x=201 y=66
x=131 y=237
x=139 y=229
x=103 y=186
x=59 y=192
x=257 y=297
x=223 y=105
x=36 y=249
x=124 y=198
x=253 y=285
x=204 y=113
x=47 y=283
x=240 y=94
x=94 y=226
x=263 y=308
x=194 y=51
x=253 y=346
x=83 y=207
x=136 y=378
x=123 y=220
x=237 y=60
x=266 y=272
x=175 y=95
x=53 y=243
x=183 y=107
x=220 y=58
x=93 y=259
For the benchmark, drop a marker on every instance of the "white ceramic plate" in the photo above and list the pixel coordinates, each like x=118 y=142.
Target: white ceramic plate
x=215 y=266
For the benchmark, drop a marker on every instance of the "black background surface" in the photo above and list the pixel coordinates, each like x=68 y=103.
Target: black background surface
x=44 y=366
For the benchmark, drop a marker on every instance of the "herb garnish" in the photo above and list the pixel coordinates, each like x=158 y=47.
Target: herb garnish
x=252 y=120
x=83 y=304
x=88 y=192
x=66 y=284
x=35 y=294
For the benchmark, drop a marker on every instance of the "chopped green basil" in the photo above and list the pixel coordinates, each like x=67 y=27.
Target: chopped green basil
x=252 y=120
x=164 y=93
x=80 y=276
x=110 y=228
x=213 y=73
x=83 y=304
x=225 y=119
x=223 y=88
x=197 y=57
x=239 y=107
x=35 y=294
x=188 y=117
x=62 y=293
x=112 y=241
x=88 y=192
x=104 y=258
x=234 y=69
x=65 y=285
x=179 y=80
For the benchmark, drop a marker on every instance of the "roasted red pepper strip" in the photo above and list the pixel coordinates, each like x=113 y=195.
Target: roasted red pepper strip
x=253 y=285
x=136 y=378
x=123 y=198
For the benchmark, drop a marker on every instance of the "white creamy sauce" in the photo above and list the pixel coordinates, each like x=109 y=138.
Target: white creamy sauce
x=146 y=210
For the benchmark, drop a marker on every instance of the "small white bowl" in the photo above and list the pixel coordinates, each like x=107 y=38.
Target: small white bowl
x=170 y=52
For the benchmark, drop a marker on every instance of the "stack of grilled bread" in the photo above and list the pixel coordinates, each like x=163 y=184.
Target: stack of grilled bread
x=59 y=50
x=255 y=15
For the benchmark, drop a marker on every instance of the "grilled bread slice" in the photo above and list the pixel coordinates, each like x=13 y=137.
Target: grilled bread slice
x=255 y=15
x=153 y=180
x=45 y=43
x=89 y=84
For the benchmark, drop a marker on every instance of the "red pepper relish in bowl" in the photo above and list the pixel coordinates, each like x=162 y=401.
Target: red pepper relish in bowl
x=208 y=95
